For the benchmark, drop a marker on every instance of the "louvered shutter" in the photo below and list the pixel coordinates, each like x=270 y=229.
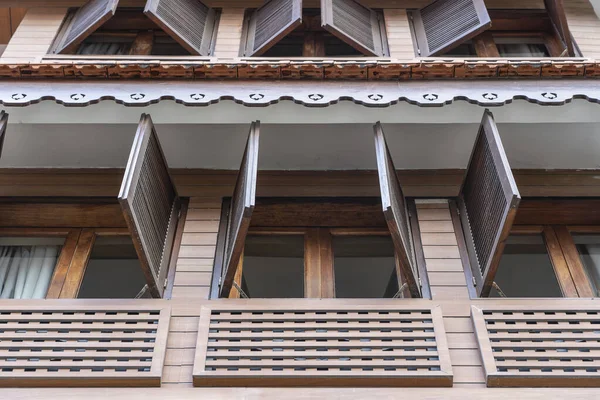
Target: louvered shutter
x=240 y=212
x=556 y=11
x=444 y=24
x=150 y=204
x=84 y=22
x=396 y=212
x=355 y=24
x=270 y=23
x=189 y=22
x=3 y=126
x=488 y=202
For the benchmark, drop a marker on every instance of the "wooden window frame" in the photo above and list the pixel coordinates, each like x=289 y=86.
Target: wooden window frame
x=314 y=45
x=555 y=224
x=512 y=23
x=319 y=276
x=143 y=42
x=79 y=234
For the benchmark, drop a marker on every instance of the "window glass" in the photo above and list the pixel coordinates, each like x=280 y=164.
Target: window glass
x=588 y=247
x=113 y=270
x=273 y=266
x=364 y=267
x=525 y=269
x=521 y=47
x=27 y=265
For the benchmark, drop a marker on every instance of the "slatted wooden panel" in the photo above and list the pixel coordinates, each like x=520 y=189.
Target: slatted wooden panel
x=57 y=343
x=270 y=23
x=324 y=343
x=552 y=345
x=584 y=25
x=229 y=34
x=399 y=36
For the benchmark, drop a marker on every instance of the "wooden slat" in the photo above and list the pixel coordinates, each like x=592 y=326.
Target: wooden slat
x=243 y=339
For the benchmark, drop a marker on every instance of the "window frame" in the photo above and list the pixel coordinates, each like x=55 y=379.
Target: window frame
x=319 y=281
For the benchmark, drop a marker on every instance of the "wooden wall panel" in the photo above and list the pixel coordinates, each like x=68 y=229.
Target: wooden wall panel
x=229 y=34
x=398 y=33
x=34 y=36
x=585 y=27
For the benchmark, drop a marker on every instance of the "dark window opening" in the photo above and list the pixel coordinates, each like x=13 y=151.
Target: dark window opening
x=588 y=247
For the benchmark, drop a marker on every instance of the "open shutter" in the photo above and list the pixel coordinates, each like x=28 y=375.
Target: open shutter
x=270 y=23
x=240 y=212
x=189 y=22
x=3 y=125
x=150 y=204
x=355 y=24
x=488 y=202
x=556 y=11
x=396 y=213
x=444 y=24
x=84 y=22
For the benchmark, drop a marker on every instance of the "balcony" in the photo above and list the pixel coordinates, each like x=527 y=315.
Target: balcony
x=82 y=343
x=331 y=342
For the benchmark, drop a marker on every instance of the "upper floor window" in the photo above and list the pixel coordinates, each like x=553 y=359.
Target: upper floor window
x=467 y=28
x=282 y=28
x=100 y=28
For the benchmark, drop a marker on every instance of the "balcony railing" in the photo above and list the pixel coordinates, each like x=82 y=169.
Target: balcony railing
x=322 y=343
x=82 y=342
x=551 y=343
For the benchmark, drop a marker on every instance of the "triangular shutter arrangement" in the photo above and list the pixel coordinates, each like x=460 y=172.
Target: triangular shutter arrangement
x=556 y=11
x=353 y=23
x=85 y=21
x=3 y=126
x=150 y=204
x=189 y=22
x=444 y=24
x=242 y=205
x=488 y=202
x=396 y=212
x=270 y=23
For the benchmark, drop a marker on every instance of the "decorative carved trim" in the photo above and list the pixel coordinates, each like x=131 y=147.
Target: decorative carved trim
x=313 y=94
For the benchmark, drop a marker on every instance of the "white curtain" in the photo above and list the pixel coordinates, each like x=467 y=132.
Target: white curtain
x=26 y=271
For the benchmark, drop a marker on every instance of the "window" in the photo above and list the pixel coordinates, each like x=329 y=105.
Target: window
x=468 y=29
x=308 y=243
x=588 y=247
x=100 y=28
x=107 y=248
x=341 y=28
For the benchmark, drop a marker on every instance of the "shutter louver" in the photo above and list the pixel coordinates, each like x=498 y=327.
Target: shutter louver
x=240 y=212
x=556 y=11
x=445 y=24
x=150 y=204
x=396 y=212
x=3 y=126
x=84 y=22
x=189 y=22
x=270 y=23
x=354 y=24
x=488 y=202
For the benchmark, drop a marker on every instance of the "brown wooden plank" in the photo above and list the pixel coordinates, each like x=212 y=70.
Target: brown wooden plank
x=561 y=268
x=63 y=264
x=81 y=256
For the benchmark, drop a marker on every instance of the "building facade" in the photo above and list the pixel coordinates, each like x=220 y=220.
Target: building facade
x=303 y=199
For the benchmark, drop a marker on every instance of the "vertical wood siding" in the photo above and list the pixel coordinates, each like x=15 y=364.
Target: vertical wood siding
x=229 y=34
x=447 y=280
x=585 y=27
x=34 y=36
x=10 y=18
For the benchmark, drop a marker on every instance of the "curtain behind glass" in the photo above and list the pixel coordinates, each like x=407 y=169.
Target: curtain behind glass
x=26 y=271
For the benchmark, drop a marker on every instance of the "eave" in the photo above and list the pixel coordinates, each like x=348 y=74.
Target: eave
x=263 y=69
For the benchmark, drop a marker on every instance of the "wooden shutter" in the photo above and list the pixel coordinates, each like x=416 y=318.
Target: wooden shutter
x=355 y=24
x=556 y=11
x=444 y=24
x=84 y=22
x=240 y=212
x=270 y=23
x=3 y=125
x=189 y=22
x=488 y=202
x=150 y=204
x=396 y=213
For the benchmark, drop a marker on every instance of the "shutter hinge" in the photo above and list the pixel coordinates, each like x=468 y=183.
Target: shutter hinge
x=165 y=282
x=474 y=281
x=220 y=281
x=420 y=283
